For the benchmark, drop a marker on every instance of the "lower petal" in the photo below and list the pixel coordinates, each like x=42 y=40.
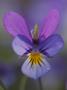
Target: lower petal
x=35 y=71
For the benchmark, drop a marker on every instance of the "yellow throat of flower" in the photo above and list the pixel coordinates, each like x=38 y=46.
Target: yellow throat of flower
x=35 y=32
x=35 y=58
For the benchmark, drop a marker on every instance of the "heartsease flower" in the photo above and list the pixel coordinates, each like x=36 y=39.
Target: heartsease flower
x=37 y=44
x=8 y=74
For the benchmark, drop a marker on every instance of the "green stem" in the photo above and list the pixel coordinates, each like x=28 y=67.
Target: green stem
x=40 y=84
x=23 y=83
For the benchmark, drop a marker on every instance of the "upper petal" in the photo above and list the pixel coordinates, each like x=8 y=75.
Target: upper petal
x=15 y=24
x=50 y=23
x=21 y=44
x=35 y=71
x=52 y=45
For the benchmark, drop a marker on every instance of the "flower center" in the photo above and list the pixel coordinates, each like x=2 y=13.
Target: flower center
x=35 y=58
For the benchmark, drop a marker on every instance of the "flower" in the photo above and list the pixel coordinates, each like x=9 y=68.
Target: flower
x=8 y=74
x=37 y=44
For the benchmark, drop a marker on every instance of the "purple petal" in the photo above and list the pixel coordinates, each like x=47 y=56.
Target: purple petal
x=20 y=46
x=52 y=45
x=8 y=79
x=8 y=74
x=50 y=23
x=35 y=71
x=15 y=24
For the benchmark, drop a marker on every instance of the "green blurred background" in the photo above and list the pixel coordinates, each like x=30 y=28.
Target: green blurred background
x=34 y=11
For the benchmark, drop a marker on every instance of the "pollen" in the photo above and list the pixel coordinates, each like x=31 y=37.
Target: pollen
x=35 y=58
